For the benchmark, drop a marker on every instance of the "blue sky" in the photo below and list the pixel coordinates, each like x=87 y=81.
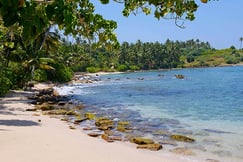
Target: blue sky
x=218 y=22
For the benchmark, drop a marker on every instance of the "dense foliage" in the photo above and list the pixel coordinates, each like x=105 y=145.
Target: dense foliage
x=30 y=48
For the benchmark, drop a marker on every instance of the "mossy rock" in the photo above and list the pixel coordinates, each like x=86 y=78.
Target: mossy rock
x=103 y=121
x=152 y=147
x=180 y=76
x=79 y=119
x=141 y=140
x=56 y=112
x=123 y=123
x=71 y=112
x=106 y=138
x=90 y=116
x=182 y=138
x=44 y=107
x=123 y=126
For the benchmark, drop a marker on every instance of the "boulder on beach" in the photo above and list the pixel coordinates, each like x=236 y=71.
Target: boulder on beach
x=152 y=147
x=141 y=140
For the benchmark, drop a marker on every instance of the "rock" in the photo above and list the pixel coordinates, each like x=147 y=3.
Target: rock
x=123 y=126
x=47 y=91
x=104 y=123
x=182 y=138
x=116 y=138
x=44 y=107
x=56 y=112
x=152 y=147
x=93 y=134
x=90 y=116
x=87 y=128
x=141 y=141
x=105 y=127
x=79 y=119
x=71 y=112
x=106 y=138
x=71 y=127
x=31 y=109
x=179 y=76
x=61 y=103
x=109 y=132
x=64 y=119
x=182 y=151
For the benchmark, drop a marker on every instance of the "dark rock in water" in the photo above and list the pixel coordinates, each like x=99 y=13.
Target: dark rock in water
x=31 y=109
x=94 y=134
x=152 y=147
x=141 y=141
x=61 y=103
x=180 y=76
x=182 y=151
x=47 y=91
x=217 y=131
x=182 y=138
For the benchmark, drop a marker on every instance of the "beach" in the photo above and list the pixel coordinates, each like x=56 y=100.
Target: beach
x=30 y=136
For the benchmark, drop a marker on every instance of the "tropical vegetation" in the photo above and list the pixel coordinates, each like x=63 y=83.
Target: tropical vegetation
x=49 y=40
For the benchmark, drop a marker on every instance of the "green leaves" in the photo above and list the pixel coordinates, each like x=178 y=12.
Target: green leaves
x=104 y=1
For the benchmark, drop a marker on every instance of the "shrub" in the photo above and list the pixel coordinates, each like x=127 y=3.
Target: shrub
x=5 y=85
x=190 y=58
x=40 y=75
x=232 y=60
x=92 y=69
x=61 y=73
x=122 y=68
x=134 y=68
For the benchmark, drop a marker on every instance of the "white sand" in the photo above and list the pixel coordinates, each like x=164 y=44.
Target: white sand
x=23 y=138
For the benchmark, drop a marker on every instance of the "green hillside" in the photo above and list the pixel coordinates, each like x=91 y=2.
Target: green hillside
x=214 y=57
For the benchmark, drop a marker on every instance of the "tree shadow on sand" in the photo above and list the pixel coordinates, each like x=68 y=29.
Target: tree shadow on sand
x=14 y=122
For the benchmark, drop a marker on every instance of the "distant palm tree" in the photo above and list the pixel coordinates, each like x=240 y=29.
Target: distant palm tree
x=241 y=39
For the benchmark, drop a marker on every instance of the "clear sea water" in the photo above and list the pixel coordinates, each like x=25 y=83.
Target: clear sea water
x=206 y=105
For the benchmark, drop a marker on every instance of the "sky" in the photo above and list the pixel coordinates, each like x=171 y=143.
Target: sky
x=218 y=22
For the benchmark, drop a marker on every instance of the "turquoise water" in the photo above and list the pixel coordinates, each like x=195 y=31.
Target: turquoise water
x=206 y=105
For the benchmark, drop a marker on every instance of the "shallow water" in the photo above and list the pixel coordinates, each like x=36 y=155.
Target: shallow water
x=207 y=105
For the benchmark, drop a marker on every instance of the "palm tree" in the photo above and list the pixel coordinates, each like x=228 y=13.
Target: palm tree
x=241 y=39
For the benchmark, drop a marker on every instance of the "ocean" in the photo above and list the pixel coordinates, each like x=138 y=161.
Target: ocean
x=207 y=105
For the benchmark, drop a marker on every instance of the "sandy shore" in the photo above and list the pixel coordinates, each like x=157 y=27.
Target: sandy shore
x=32 y=137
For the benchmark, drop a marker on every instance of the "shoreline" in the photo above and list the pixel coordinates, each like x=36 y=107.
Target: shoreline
x=30 y=136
